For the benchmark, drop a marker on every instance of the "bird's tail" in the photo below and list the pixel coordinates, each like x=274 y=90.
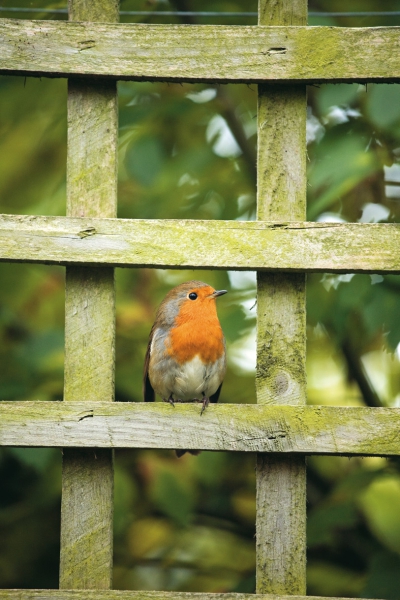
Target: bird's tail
x=180 y=453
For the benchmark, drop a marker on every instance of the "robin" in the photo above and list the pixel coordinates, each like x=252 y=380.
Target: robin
x=186 y=359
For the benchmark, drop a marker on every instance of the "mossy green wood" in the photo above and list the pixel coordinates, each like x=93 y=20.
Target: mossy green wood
x=280 y=375
x=142 y=595
x=334 y=247
x=200 y=52
x=87 y=489
x=279 y=429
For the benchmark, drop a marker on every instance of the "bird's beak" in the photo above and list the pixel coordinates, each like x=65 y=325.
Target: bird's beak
x=218 y=293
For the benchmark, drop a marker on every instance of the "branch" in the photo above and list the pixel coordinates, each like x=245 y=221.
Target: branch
x=357 y=372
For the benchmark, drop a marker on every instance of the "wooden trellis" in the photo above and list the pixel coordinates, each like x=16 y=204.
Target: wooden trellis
x=281 y=246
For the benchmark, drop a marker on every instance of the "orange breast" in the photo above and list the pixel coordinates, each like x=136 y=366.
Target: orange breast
x=197 y=333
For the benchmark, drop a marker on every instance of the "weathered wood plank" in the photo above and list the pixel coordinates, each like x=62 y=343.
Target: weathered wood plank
x=281 y=322
x=92 y=148
x=86 y=506
x=141 y=595
x=212 y=53
x=326 y=247
x=86 y=557
x=235 y=427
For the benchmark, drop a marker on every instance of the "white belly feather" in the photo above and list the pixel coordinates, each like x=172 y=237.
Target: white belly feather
x=195 y=379
x=189 y=381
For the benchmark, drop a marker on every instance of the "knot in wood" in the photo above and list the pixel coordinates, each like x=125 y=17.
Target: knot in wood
x=281 y=383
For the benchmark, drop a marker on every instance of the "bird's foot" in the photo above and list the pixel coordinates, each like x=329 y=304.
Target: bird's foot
x=170 y=400
x=206 y=402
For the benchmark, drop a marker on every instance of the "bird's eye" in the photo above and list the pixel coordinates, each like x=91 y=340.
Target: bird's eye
x=192 y=296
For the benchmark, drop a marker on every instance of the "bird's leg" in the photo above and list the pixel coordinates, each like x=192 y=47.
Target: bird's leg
x=170 y=400
x=206 y=402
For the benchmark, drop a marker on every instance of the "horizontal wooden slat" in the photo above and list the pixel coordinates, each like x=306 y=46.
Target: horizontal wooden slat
x=331 y=247
x=199 y=53
x=244 y=427
x=140 y=595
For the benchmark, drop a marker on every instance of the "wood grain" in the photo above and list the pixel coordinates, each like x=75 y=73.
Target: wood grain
x=281 y=322
x=257 y=245
x=141 y=595
x=235 y=427
x=214 y=53
x=86 y=558
x=92 y=143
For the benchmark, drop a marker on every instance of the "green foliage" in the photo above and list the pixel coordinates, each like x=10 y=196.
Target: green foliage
x=343 y=165
x=383 y=576
x=383 y=107
x=173 y=498
x=144 y=160
x=336 y=95
x=326 y=520
x=188 y=524
x=379 y=503
x=29 y=517
x=192 y=528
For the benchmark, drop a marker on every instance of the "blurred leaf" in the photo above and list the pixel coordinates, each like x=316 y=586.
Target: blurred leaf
x=343 y=163
x=215 y=549
x=383 y=577
x=336 y=94
x=380 y=505
x=38 y=458
x=352 y=294
x=210 y=466
x=144 y=160
x=44 y=350
x=383 y=105
x=326 y=521
x=244 y=505
x=149 y=537
x=246 y=586
x=333 y=580
x=381 y=313
x=125 y=498
x=172 y=497
x=356 y=480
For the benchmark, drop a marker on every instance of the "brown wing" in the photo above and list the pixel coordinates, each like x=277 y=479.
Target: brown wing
x=148 y=392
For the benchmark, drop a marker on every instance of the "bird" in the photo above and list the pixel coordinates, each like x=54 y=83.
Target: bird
x=186 y=354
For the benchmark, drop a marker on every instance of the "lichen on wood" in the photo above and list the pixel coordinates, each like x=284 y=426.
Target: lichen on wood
x=214 y=53
x=141 y=595
x=273 y=429
x=86 y=557
x=279 y=245
x=281 y=333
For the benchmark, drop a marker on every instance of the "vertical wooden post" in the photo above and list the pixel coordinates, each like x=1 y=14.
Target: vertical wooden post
x=281 y=378
x=87 y=489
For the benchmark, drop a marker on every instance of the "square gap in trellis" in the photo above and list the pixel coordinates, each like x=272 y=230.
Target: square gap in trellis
x=353 y=339
x=351 y=525
x=30 y=517
x=140 y=291
x=32 y=299
x=187 y=151
x=33 y=145
x=184 y=524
